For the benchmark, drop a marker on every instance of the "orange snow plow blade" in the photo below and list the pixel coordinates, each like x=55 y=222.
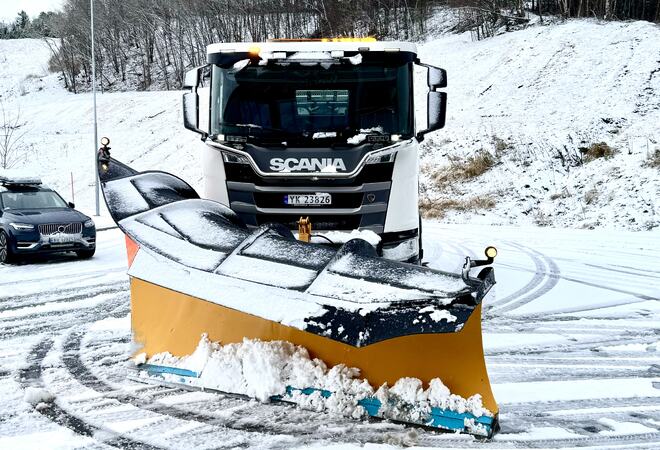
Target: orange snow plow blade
x=164 y=320
x=197 y=270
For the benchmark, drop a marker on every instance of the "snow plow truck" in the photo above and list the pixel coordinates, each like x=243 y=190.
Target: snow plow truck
x=297 y=275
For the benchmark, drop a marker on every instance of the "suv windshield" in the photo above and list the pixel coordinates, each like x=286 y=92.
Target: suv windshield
x=300 y=101
x=32 y=200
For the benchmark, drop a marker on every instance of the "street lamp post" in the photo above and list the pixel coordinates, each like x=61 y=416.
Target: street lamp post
x=96 y=174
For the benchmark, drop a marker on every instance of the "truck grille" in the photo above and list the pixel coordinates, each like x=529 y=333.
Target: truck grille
x=67 y=228
x=370 y=173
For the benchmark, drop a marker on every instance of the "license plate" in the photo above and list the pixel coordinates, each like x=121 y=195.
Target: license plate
x=307 y=199
x=62 y=238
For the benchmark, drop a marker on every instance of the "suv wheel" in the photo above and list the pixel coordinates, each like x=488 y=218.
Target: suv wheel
x=5 y=253
x=85 y=254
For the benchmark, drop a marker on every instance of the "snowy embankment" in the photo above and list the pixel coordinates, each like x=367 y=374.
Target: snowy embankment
x=524 y=97
x=528 y=97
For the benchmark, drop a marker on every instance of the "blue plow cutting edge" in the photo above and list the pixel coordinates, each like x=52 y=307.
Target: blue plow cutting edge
x=440 y=418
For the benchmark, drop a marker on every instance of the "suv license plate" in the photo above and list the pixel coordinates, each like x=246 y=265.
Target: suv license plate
x=307 y=199
x=62 y=238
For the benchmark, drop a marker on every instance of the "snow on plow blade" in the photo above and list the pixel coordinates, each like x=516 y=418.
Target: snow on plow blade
x=197 y=270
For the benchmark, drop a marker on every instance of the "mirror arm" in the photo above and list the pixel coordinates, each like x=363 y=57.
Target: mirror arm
x=429 y=67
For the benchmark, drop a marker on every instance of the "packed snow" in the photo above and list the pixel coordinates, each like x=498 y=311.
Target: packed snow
x=263 y=370
x=341 y=237
x=37 y=396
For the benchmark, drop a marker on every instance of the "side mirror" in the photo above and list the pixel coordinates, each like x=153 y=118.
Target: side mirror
x=194 y=79
x=436 y=112
x=436 y=107
x=437 y=78
x=191 y=111
x=71 y=205
x=191 y=79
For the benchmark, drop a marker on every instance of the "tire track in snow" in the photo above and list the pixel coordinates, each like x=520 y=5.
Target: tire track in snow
x=82 y=374
x=41 y=281
x=573 y=347
x=551 y=278
x=627 y=270
x=76 y=294
x=50 y=322
x=31 y=376
x=537 y=279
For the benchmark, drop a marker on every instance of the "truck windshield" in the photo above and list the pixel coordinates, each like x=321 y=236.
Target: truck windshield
x=32 y=200
x=319 y=102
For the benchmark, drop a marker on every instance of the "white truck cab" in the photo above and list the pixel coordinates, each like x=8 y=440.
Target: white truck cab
x=321 y=129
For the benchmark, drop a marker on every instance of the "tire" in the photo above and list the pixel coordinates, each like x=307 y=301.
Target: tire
x=6 y=256
x=85 y=254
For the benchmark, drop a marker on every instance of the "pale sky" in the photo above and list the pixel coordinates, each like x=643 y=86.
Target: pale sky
x=9 y=9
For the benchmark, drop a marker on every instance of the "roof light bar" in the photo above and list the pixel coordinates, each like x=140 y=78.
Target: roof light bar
x=344 y=39
x=347 y=39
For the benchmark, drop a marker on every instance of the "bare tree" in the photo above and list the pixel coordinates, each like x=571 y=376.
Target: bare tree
x=11 y=135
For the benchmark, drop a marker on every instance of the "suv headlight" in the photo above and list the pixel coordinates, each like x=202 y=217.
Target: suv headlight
x=21 y=226
x=89 y=224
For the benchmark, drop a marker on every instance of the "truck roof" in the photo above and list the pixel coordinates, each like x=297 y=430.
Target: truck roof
x=323 y=45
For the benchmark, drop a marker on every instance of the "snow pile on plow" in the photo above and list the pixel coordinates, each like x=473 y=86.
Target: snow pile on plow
x=282 y=371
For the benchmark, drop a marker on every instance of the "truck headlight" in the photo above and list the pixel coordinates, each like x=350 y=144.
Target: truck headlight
x=382 y=157
x=89 y=224
x=234 y=158
x=21 y=226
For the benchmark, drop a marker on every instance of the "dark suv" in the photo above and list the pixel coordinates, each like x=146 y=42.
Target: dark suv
x=36 y=220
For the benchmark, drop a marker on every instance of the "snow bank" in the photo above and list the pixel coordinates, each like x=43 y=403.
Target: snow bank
x=264 y=369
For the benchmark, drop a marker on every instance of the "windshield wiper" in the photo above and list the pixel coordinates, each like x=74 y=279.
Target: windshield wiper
x=251 y=126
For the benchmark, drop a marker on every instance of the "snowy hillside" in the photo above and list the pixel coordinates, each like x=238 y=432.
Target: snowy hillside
x=524 y=97
x=144 y=127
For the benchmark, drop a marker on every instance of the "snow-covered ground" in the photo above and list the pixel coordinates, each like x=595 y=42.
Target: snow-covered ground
x=571 y=342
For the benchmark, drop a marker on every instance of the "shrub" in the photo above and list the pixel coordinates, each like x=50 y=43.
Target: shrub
x=478 y=164
x=591 y=196
x=653 y=159
x=471 y=167
x=500 y=145
x=596 y=151
x=437 y=209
